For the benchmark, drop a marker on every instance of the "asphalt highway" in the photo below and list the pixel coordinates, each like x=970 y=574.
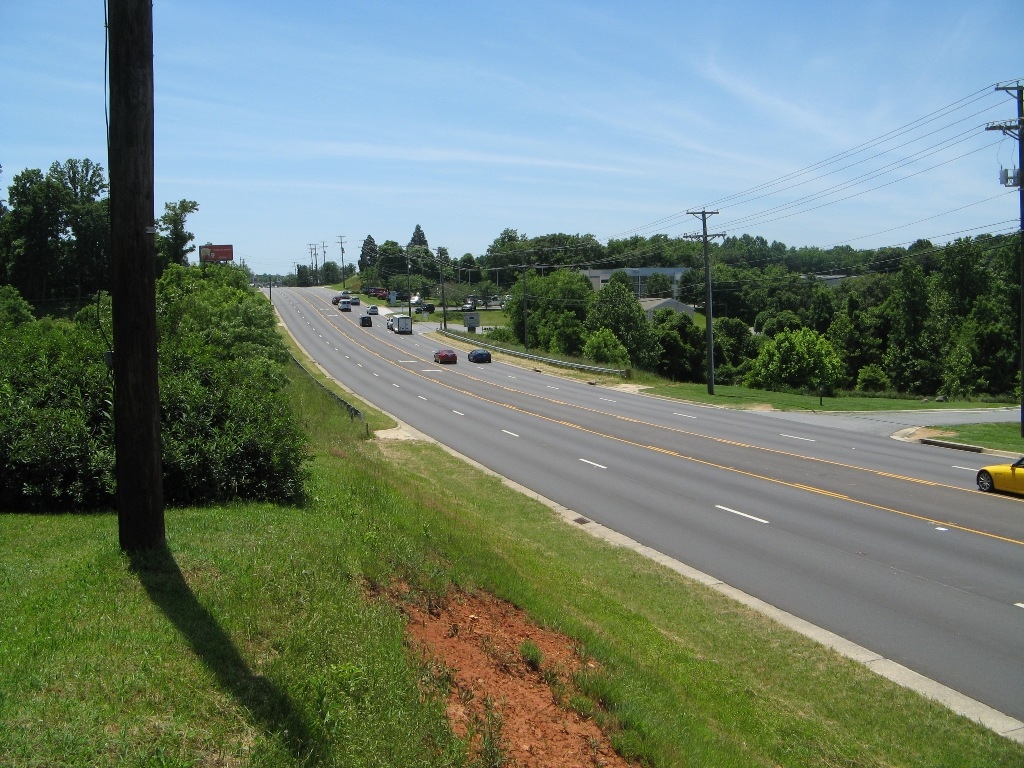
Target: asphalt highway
x=883 y=542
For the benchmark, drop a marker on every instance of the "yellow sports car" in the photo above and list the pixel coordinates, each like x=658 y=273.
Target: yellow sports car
x=1002 y=477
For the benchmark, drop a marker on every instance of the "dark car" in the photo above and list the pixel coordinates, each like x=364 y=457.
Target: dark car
x=354 y=299
x=445 y=356
x=366 y=321
x=335 y=300
x=479 y=356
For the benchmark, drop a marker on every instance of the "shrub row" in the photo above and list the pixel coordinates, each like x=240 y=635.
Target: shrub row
x=226 y=427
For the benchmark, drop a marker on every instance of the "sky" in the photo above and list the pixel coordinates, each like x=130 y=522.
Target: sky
x=305 y=122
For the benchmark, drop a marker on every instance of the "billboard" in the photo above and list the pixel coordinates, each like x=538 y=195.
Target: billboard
x=210 y=252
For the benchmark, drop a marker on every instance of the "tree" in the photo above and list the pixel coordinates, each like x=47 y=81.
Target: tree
x=658 y=285
x=907 y=310
x=14 y=310
x=418 y=238
x=32 y=235
x=796 y=359
x=368 y=254
x=173 y=240
x=682 y=343
x=617 y=309
x=391 y=264
x=604 y=348
x=330 y=272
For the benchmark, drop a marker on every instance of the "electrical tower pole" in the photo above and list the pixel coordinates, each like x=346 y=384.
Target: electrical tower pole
x=1014 y=128
x=341 y=244
x=440 y=277
x=140 y=496
x=709 y=331
x=324 y=262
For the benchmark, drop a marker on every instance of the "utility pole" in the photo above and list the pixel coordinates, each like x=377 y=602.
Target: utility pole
x=341 y=244
x=526 y=311
x=709 y=331
x=324 y=262
x=1014 y=128
x=444 y=304
x=140 y=495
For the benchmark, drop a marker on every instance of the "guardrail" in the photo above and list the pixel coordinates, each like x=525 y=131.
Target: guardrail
x=353 y=412
x=625 y=373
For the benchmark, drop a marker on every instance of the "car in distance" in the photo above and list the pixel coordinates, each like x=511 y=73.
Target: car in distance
x=355 y=300
x=1002 y=477
x=469 y=306
x=335 y=300
x=372 y=309
x=445 y=356
x=391 y=322
x=479 y=356
x=365 y=321
x=345 y=305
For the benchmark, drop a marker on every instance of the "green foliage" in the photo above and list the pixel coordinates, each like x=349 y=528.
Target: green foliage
x=14 y=310
x=617 y=309
x=56 y=428
x=871 y=378
x=801 y=359
x=173 y=241
x=605 y=349
x=785 y=320
x=682 y=344
x=226 y=427
x=227 y=430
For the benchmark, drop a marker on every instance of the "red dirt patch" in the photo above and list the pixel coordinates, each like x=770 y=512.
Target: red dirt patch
x=477 y=638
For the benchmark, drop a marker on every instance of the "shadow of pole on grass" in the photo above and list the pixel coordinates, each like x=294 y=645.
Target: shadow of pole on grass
x=269 y=706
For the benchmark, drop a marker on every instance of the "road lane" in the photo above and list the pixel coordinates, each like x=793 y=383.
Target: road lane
x=857 y=550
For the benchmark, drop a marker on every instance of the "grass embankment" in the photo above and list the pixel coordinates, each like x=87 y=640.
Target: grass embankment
x=1003 y=436
x=252 y=641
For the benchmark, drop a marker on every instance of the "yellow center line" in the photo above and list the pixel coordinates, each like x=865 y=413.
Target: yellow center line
x=694 y=459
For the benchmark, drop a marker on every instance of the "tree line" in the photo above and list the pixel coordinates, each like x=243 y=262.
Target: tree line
x=55 y=233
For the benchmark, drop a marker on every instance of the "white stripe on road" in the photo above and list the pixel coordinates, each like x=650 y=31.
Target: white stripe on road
x=510 y=433
x=594 y=464
x=741 y=514
x=794 y=437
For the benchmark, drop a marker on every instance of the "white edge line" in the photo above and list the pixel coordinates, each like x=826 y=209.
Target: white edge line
x=741 y=514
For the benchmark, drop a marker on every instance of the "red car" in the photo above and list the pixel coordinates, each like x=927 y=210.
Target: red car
x=445 y=356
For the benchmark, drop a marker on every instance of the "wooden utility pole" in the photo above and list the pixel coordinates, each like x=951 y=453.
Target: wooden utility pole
x=140 y=497
x=1014 y=129
x=709 y=331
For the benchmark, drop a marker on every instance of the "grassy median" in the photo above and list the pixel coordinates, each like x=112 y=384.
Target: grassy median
x=253 y=639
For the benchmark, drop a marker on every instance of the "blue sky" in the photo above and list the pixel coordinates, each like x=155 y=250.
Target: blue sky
x=294 y=123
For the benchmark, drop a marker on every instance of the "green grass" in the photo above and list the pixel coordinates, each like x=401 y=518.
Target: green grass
x=1003 y=436
x=744 y=397
x=255 y=639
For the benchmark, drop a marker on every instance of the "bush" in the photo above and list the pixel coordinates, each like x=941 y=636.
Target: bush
x=605 y=349
x=871 y=378
x=502 y=335
x=226 y=426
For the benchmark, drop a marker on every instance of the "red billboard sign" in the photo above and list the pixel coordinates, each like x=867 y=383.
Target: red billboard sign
x=216 y=252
